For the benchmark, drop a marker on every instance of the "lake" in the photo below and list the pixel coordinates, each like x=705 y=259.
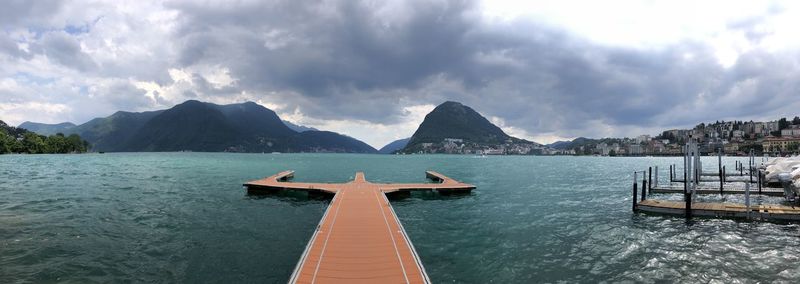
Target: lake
x=184 y=217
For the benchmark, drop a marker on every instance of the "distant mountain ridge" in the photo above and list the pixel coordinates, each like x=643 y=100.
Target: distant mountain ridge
x=299 y=128
x=207 y=127
x=564 y=145
x=21 y=140
x=394 y=146
x=455 y=128
x=46 y=129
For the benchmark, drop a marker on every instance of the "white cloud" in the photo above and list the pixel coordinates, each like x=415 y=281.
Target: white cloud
x=375 y=134
x=16 y=113
x=544 y=70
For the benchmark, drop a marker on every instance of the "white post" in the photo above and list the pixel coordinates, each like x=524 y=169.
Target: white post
x=699 y=166
x=656 y=178
x=689 y=171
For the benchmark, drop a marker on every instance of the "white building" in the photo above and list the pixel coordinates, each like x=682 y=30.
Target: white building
x=794 y=131
x=635 y=149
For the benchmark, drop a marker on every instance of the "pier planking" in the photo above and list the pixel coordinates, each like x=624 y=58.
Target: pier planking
x=359 y=239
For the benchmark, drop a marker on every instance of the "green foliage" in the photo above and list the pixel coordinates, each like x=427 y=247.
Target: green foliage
x=783 y=124
x=17 y=140
x=205 y=127
x=454 y=120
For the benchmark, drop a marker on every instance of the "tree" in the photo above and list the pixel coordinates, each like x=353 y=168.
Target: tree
x=796 y=120
x=5 y=142
x=783 y=124
x=792 y=147
x=33 y=143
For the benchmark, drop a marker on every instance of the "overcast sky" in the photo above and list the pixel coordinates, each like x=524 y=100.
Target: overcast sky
x=542 y=70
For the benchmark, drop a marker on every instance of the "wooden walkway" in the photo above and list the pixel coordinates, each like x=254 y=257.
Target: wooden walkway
x=722 y=210
x=715 y=190
x=359 y=239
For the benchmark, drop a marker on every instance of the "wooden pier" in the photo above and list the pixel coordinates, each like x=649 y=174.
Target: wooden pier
x=695 y=181
x=715 y=190
x=772 y=212
x=359 y=239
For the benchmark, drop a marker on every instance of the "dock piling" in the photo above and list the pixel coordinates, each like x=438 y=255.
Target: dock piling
x=747 y=199
x=759 y=182
x=644 y=186
x=688 y=199
x=670 y=173
x=635 y=183
x=656 y=184
x=724 y=174
x=649 y=178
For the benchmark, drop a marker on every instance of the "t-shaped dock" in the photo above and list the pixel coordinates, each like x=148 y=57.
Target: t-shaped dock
x=359 y=239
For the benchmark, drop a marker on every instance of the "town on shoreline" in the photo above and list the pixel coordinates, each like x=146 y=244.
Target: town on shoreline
x=737 y=138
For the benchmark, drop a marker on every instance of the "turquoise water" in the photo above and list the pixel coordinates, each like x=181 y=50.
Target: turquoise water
x=184 y=217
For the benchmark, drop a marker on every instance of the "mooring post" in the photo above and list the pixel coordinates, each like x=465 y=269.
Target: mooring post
x=672 y=176
x=724 y=175
x=719 y=161
x=649 y=178
x=644 y=187
x=686 y=169
x=656 y=178
x=721 y=181
x=688 y=197
x=670 y=173
x=685 y=183
x=634 y=192
x=759 y=182
x=747 y=199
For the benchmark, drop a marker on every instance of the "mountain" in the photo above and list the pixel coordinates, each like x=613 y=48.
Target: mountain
x=21 y=140
x=111 y=134
x=46 y=129
x=299 y=128
x=192 y=125
x=394 y=146
x=560 y=145
x=455 y=128
x=326 y=141
x=454 y=120
x=206 y=127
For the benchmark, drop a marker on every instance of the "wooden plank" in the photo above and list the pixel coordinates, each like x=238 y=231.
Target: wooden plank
x=708 y=209
x=359 y=239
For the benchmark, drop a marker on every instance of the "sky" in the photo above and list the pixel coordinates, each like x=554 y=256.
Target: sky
x=541 y=70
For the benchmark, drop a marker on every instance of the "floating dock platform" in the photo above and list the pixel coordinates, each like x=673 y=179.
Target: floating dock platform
x=715 y=190
x=771 y=212
x=359 y=239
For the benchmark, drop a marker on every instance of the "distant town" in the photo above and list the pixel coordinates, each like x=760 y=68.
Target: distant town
x=776 y=138
x=453 y=128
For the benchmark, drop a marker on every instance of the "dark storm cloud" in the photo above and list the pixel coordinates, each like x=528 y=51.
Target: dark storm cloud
x=359 y=60
x=339 y=54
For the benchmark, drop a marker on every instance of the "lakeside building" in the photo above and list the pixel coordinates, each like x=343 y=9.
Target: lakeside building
x=793 y=131
x=780 y=144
